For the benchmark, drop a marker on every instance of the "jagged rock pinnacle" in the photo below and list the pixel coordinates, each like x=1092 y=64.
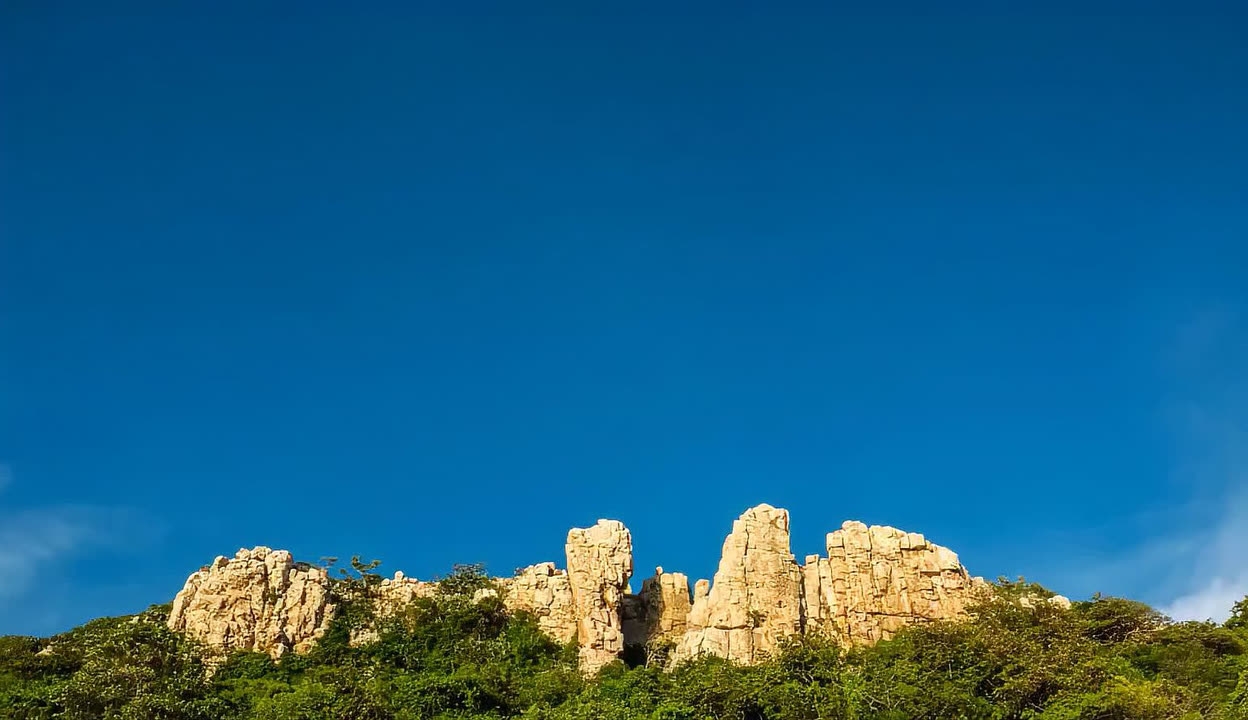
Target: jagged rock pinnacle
x=874 y=581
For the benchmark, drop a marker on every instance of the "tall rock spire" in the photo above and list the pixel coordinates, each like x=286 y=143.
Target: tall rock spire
x=600 y=563
x=756 y=598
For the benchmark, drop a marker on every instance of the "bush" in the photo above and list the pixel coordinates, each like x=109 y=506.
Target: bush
x=460 y=654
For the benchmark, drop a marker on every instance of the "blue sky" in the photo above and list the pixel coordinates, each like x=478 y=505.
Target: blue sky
x=433 y=287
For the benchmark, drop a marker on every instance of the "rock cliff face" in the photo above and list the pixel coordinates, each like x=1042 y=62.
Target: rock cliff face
x=600 y=562
x=260 y=600
x=874 y=581
x=547 y=593
x=393 y=594
x=877 y=580
x=660 y=612
x=756 y=598
x=390 y=597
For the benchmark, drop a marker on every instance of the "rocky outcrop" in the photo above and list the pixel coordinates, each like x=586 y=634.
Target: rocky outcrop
x=585 y=603
x=389 y=598
x=259 y=600
x=1061 y=602
x=600 y=562
x=756 y=598
x=876 y=580
x=546 y=592
x=391 y=595
x=660 y=612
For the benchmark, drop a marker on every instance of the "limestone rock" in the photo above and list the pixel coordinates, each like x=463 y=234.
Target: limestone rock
x=388 y=598
x=756 y=598
x=876 y=580
x=701 y=589
x=259 y=600
x=660 y=612
x=600 y=562
x=546 y=592
x=1061 y=602
x=393 y=594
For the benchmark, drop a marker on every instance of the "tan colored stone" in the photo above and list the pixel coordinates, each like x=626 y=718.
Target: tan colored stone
x=600 y=562
x=546 y=592
x=660 y=612
x=394 y=594
x=876 y=580
x=259 y=600
x=388 y=598
x=1061 y=602
x=756 y=598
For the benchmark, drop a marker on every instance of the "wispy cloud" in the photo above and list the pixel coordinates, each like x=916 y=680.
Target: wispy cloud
x=1216 y=571
x=1188 y=557
x=34 y=539
x=1213 y=602
x=1211 y=422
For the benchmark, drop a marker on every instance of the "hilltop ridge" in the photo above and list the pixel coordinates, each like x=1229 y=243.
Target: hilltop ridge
x=872 y=582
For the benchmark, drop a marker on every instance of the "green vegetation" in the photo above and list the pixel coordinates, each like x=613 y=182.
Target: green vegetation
x=450 y=657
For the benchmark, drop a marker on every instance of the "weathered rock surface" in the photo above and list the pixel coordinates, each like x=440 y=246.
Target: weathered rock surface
x=388 y=598
x=546 y=592
x=756 y=598
x=600 y=562
x=1060 y=602
x=876 y=580
x=660 y=612
x=259 y=600
x=393 y=594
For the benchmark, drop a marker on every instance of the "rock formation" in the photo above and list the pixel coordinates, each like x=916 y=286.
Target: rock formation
x=259 y=600
x=389 y=597
x=393 y=594
x=600 y=562
x=546 y=592
x=756 y=598
x=660 y=612
x=585 y=603
x=874 y=581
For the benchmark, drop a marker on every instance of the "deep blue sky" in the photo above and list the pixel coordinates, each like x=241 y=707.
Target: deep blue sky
x=434 y=287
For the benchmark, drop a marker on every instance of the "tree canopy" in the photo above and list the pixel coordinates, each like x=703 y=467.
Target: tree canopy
x=461 y=654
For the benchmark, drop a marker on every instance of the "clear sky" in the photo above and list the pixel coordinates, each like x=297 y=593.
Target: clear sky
x=434 y=286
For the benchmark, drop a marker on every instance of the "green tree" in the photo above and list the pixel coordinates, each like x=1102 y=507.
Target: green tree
x=1239 y=615
x=459 y=653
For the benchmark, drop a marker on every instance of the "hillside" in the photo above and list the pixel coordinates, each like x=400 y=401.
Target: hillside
x=888 y=626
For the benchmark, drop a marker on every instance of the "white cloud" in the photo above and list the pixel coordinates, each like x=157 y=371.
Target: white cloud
x=1213 y=602
x=32 y=540
x=1211 y=574
x=1214 y=567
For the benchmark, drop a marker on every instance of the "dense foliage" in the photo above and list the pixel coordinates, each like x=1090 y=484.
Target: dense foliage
x=460 y=654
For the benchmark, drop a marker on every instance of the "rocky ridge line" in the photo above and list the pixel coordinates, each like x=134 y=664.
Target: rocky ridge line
x=874 y=581
x=259 y=600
